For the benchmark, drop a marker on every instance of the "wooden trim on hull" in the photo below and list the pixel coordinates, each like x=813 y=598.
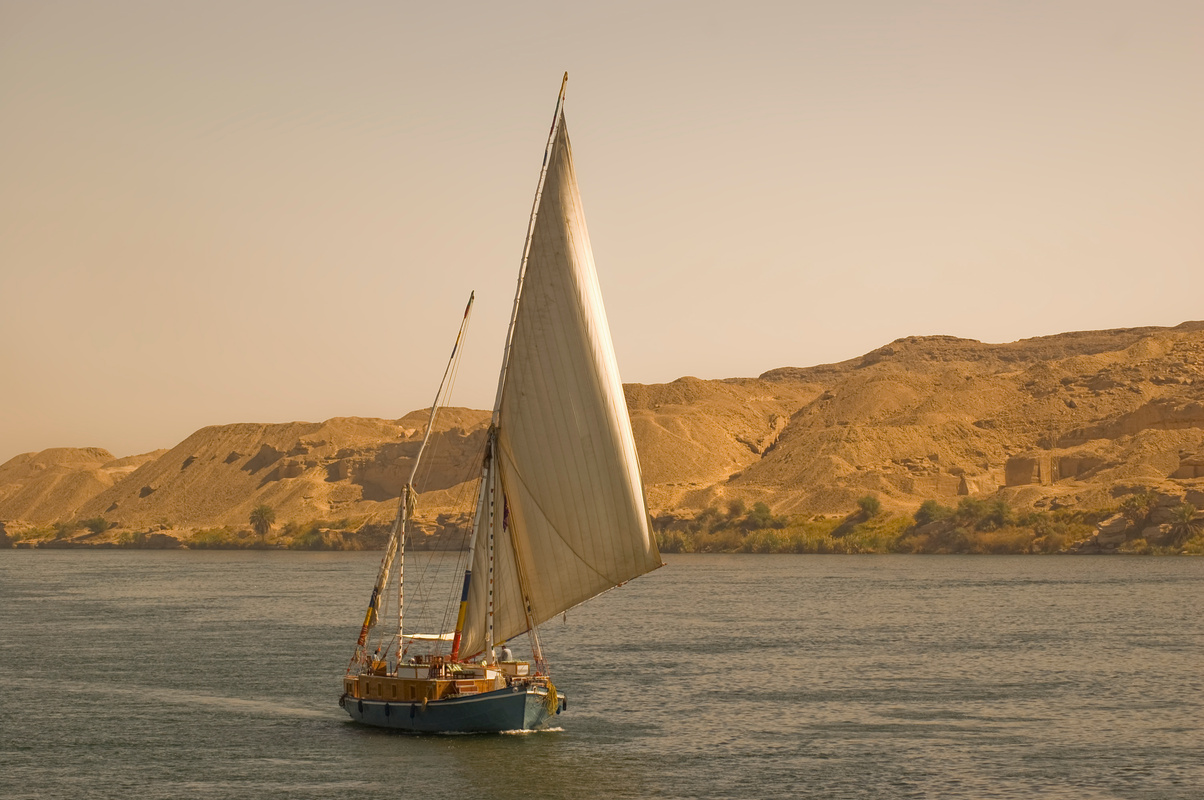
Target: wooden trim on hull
x=491 y=712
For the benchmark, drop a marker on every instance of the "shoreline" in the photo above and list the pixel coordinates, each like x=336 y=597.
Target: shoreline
x=179 y=546
x=1146 y=523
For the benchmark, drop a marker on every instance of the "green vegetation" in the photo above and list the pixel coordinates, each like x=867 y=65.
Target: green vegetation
x=974 y=526
x=309 y=536
x=715 y=531
x=1140 y=547
x=48 y=533
x=337 y=534
x=783 y=535
x=262 y=518
x=31 y=534
x=1164 y=528
x=1136 y=507
x=318 y=534
x=97 y=525
x=64 y=529
x=1183 y=525
x=225 y=538
x=870 y=506
x=931 y=511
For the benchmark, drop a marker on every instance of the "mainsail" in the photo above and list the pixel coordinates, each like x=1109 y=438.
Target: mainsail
x=569 y=520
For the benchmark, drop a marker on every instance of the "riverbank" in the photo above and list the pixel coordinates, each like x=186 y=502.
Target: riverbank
x=1143 y=524
x=326 y=535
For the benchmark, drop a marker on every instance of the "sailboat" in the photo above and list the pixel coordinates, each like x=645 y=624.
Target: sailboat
x=560 y=514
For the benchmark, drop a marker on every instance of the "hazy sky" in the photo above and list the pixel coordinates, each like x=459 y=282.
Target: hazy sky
x=265 y=211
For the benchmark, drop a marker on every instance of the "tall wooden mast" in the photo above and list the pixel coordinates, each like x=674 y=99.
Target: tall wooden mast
x=405 y=507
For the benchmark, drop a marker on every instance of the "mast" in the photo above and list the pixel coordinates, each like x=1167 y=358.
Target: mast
x=536 y=649
x=487 y=503
x=405 y=507
x=477 y=519
x=522 y=270
x=491 y=571
x=571 y=520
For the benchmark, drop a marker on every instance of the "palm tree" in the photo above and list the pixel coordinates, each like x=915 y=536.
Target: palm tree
x=262 y=517
x=1184 y=524
x=1136 y=507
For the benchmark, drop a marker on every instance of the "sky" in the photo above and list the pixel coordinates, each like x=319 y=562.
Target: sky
x=216 y=212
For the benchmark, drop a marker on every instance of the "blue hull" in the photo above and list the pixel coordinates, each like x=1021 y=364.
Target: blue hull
x=491 y=712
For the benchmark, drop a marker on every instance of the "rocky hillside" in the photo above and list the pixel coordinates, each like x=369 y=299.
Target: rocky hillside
x=56 y=483
x=344 y=468
x=1077 y=418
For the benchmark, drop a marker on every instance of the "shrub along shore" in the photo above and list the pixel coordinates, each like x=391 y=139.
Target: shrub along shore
x=973 y=526
x=1143 y=524
x=320 y=534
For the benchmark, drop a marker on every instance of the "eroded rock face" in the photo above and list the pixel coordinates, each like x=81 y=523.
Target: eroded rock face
x=160 y=541
x=1161 y=515
x=1113 y=531
x=936 y=528
x=979 y=484
x=1190 y=466
x=266 y=455
x=1087 y=547
x=1159 y=535
x=1076 y=466
x=1022 y=471
x=1160 y=414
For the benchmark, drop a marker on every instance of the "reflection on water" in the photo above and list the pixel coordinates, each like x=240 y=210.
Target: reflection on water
x=217 y=675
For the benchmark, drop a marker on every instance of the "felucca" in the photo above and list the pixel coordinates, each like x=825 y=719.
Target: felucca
x=560 y=513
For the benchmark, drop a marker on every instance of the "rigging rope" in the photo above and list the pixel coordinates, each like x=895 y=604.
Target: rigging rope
x=432 y=570
x=404 y=513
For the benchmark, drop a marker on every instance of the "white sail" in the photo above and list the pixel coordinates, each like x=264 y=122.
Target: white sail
x=508 y=615
x=577 y=520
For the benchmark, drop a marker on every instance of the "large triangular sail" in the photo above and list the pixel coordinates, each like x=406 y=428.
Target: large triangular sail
x=574 y=521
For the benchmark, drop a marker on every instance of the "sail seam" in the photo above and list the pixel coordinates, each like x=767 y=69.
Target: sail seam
x=553 y=527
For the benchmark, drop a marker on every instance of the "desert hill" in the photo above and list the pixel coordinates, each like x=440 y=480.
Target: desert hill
x=1076 y=416
x=58 y=482
x=343 y=468
x=1072 y=418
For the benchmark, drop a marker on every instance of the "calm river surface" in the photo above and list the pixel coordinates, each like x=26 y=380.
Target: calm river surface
x=129 y=674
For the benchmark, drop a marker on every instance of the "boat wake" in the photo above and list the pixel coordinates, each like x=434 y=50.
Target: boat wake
x=181 y=697
x=270 y=708
x=515 y=732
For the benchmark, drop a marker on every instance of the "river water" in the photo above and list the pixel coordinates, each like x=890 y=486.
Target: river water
x=216 y=674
